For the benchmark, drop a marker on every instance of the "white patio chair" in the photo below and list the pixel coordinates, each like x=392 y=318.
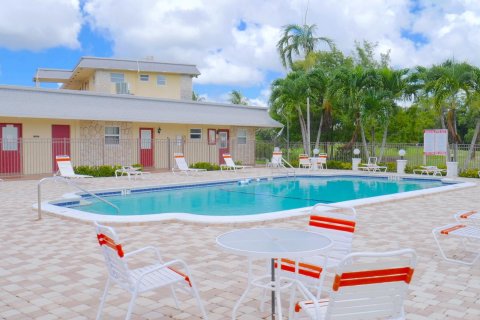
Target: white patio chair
x=182 y=166
x=65 y=168
x=304 y=161
x=230 y=164
x=469 y=237
x=367 y=285
x=130 y=171
x=140 y=280
x=336 y=222
x=468 y=217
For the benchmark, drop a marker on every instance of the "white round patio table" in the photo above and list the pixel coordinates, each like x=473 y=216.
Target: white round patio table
x=272 y=243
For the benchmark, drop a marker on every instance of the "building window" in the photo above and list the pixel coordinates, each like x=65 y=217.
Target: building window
x=112 y=135
x=144 y=77
x=117 y=77
x=242 y=136
x=195 y=134
x=161 y=80
x=212 y=136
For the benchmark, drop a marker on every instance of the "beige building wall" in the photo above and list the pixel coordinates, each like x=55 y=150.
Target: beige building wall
x=176 y=86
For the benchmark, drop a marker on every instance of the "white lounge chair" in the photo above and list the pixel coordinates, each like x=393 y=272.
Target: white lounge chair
x=130 y=171
x=367 y=285
x=182 y=166
x=230 y=164
x=279 y=162
x=65 y=168
x=304 y=161
x=469 y=236
x=142 y=279
x=434 y=170
x=372 y=166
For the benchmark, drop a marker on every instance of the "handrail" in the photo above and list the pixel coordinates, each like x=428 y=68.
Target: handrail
x=69 y=182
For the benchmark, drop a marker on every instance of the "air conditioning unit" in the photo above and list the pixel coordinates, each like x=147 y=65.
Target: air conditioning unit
x=122 y=88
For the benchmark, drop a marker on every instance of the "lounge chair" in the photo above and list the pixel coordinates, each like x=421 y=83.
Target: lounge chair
x=130 y=171
x=182 y=165
x=142 y=279
x=372 y=166
x=279 y=162
x=470 y=239
x=304 y=161
x=65 y=168
x=367 y=285
x=434 y=170
x=230 y=165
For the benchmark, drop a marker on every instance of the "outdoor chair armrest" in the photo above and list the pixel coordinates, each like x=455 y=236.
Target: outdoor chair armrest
x=307 y=295
x=145 y=249
x=166 y=265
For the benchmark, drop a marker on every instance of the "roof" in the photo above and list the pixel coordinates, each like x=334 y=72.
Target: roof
x=27 y=102
x=62 y=75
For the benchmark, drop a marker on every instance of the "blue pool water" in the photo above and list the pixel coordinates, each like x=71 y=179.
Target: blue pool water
x=234 y=199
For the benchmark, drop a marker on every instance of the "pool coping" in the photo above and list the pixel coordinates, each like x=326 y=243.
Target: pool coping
x=73 y=214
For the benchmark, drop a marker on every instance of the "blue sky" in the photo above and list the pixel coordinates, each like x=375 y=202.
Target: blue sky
x=232 y=45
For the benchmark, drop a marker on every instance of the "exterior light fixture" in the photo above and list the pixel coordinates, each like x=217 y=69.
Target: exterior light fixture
x=401 y=153
x=356 y=151
x=159 y=130
x=315 y=152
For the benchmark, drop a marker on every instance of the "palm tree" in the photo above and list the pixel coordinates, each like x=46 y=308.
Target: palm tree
x=197 y=97
x=299 y=40
x=474 y=106
x=236 y=97
x=449 y=85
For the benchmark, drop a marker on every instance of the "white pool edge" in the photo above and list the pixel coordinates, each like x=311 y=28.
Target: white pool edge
x=276 y=215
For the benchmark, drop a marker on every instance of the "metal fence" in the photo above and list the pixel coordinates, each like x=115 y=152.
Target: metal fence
x=37 y=156
x=341 y=152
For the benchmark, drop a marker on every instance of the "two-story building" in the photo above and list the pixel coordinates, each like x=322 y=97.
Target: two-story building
x=117 y=111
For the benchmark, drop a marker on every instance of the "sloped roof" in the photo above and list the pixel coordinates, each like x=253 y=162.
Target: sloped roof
x=27 y=102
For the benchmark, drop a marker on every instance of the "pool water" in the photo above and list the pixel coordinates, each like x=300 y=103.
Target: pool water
x=234 y=199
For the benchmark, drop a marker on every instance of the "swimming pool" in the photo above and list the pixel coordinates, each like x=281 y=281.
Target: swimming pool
x=255 y=198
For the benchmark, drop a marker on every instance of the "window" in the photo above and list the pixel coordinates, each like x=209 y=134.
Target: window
x=117 y=77
x=112 y=135
x=212 y=136
x=242 y=136
x=196 y=134
x=144 y=77
x=161 y=80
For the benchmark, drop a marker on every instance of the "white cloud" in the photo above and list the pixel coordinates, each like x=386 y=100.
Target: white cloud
x=205 y=32
x=37 y=25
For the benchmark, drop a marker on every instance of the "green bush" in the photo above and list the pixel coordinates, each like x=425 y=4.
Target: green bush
x=340 y=165
x=294 y=163
x=97 y=171
x=469 y=173
x=205 y=165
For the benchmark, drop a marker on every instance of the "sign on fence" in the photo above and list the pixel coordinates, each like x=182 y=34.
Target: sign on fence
x=435 y=142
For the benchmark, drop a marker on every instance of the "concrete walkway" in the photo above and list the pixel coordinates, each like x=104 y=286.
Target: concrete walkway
x=53 y=269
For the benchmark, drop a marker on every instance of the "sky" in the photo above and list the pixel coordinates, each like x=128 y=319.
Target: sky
x=233 y=43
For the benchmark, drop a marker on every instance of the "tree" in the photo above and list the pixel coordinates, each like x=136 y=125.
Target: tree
x=197 y=97
x=236 y=97
x=299 y=40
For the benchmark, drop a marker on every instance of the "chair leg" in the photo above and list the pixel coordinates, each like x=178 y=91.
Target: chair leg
x=102 y=300
x=175 y=297
x=291 y=307
x=131 y=305
x=199 y=301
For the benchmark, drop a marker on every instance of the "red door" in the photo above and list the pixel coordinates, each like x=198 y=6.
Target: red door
x=10 y=148
x=146 y=147
x=60 y=142
x=223 y=144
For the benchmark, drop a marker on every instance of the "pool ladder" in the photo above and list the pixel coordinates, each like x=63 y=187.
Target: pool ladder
x=69 y=182
x=394 y=178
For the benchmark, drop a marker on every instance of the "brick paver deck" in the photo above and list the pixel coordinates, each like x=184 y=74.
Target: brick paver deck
x=53 y=269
